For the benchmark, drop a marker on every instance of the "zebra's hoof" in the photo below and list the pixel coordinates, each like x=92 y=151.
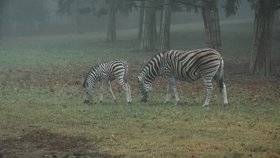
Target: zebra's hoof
x=166 y=102
x=143 y=100
x=86 y=101
x=205 y=105
x=178 y=103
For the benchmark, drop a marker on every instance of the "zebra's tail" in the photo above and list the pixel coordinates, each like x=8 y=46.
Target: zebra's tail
x=221 y=75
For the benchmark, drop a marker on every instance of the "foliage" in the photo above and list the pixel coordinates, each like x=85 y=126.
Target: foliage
x=231 y=7
x=96 y=7
x=24 y=11
x=255 y=2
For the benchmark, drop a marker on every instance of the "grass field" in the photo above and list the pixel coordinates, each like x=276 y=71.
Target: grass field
x=42 y=114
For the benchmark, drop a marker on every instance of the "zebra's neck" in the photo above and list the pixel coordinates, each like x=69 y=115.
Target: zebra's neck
x=153 y=68
x=93 y=77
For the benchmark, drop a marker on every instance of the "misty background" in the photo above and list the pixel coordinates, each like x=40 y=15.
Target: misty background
x=48 y=46
x=43 y=17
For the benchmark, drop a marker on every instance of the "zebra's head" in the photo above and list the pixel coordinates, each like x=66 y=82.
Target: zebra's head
x=90 y=81
x=88 y=85
x=144 y=87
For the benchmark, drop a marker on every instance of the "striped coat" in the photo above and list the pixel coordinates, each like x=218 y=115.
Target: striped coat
x=184 y=66
x=105 y=73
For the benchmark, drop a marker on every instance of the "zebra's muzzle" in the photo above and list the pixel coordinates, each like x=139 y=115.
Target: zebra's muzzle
x=86 y=101
x=143 y=100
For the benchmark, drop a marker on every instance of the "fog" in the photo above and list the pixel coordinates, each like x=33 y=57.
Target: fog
x=49 y=57
x=42 y=17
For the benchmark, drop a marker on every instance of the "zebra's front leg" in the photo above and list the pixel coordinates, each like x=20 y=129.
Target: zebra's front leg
x=110 y=89
x=172 y=84
x=102 y=92
x=168 y=94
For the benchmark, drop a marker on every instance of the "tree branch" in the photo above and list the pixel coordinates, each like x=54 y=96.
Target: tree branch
x=189 y=4
x=179 y=2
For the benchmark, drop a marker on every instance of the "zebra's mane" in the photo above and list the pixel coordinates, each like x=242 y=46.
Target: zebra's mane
x=85 y=80
x=93 y=68
x=146 y=69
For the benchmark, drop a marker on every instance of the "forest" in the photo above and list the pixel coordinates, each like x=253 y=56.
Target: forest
x=48 y=47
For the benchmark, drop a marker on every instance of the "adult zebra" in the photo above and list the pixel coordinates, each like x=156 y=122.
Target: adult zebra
x=105 y=73
x=185 y=66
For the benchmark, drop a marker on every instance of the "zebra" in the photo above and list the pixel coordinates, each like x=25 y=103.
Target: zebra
x=187 y=66
x=105 y=73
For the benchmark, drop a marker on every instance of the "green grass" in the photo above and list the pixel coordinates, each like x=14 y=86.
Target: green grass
x=153 y=129
x=41 y=102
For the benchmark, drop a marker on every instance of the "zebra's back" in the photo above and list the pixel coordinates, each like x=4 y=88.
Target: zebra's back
x=190 y=65
x=117 y=68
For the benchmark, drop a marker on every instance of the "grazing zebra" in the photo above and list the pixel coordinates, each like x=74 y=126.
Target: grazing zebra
x=185 y=66
x=105 y=73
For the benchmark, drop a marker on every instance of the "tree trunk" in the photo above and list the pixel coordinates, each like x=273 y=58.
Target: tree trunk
x=77 y=15
x=2 y=3
x=261 y=50
x=141 y=18
x=210 y=14
x=148 y=37
x=111 y=32
x=165 y=26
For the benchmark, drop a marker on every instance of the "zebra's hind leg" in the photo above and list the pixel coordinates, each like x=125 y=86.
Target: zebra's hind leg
x=128 y=95
x=110 y=89
x=220 y=81
x=123 y=82
x=224 y=91
x=127 y=90
x=209 y=88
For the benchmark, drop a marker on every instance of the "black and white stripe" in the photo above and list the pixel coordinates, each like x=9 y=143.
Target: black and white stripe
x=185 y=66
x=105 y=73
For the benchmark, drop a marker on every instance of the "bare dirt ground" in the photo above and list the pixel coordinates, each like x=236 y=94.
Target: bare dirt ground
x=42 y=143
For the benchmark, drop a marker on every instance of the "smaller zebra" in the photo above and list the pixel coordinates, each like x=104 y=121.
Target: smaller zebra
x=105 y=73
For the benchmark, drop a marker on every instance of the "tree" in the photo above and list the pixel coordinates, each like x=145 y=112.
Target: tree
x=260 y=62
x=165 y=26
x=100 y=8
x=74 y=10
x=231 y=7
x=148 y=37
x=141 y=19
x=210 y=14
x=111 y=32
x=2 y=4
